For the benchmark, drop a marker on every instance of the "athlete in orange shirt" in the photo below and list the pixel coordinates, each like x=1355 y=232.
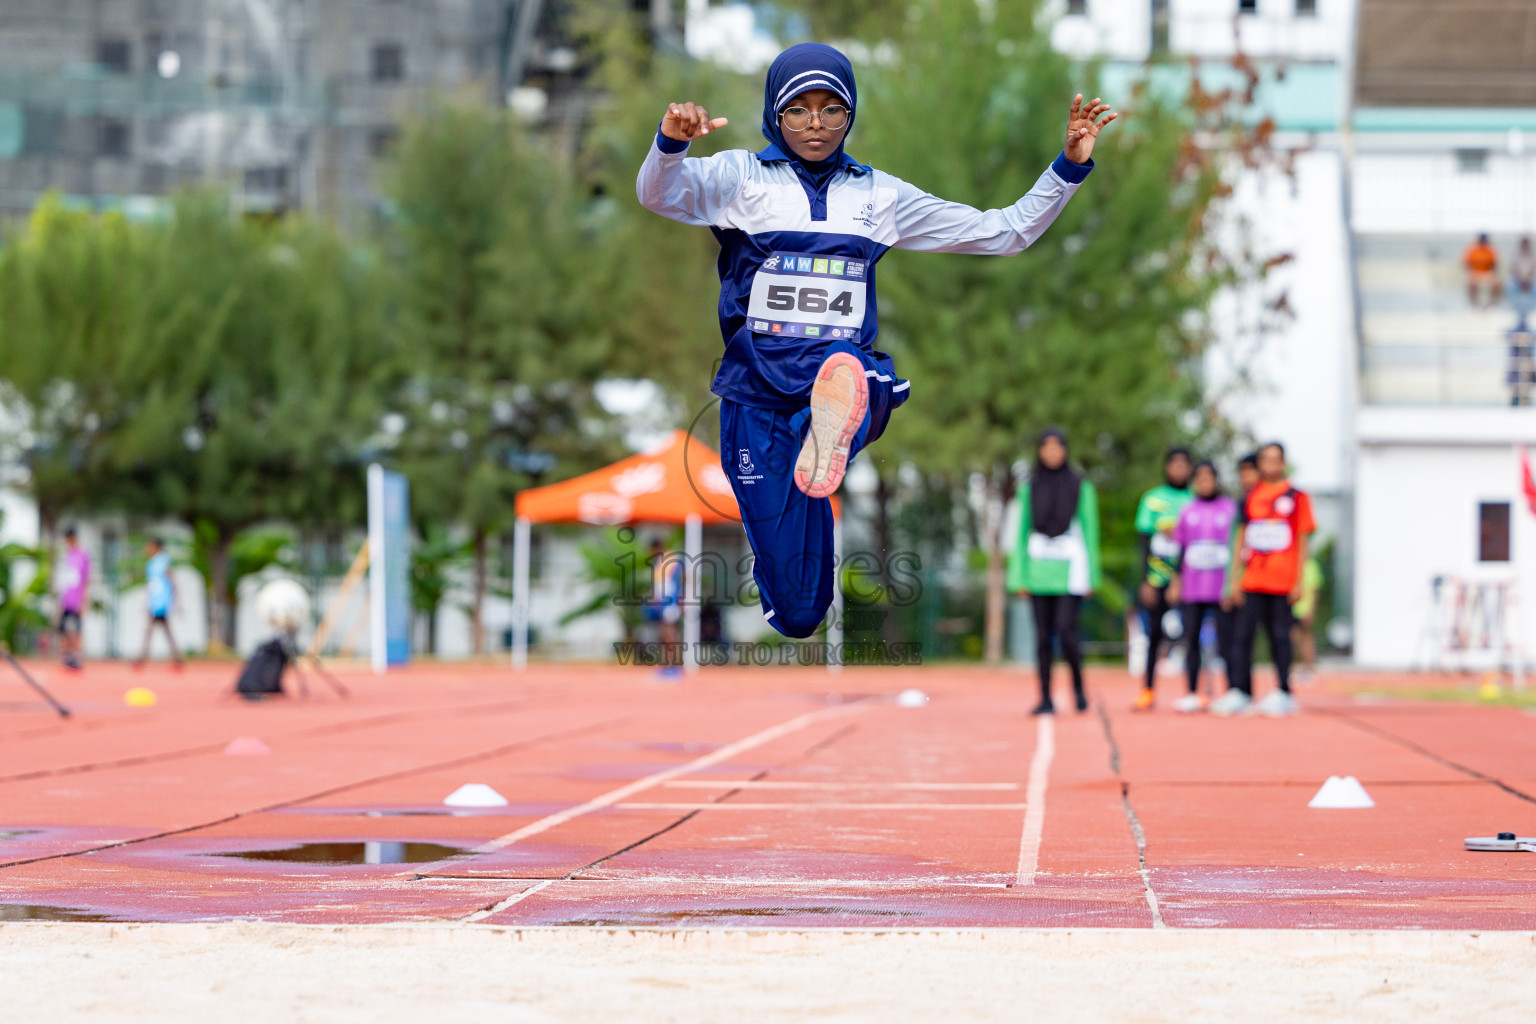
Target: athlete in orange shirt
x=1275 y=522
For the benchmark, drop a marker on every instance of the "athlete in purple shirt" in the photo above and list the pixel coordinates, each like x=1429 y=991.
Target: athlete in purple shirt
x=1204 y=535
x=74 y=582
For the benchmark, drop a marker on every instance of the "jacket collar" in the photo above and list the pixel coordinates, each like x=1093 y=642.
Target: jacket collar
x=773 y=154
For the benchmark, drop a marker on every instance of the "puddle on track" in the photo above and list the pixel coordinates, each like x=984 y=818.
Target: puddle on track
x=665 y=917
x=382 y=852
x=46 y=912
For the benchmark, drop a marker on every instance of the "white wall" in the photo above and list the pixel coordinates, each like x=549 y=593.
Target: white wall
x=1421 y=473
x=1305 y=381
x=18 y=518
x=1206 y=28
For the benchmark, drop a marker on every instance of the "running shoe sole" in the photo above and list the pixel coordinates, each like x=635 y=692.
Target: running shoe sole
x=839 y=399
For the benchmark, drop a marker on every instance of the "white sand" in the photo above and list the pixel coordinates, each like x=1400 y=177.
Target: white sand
x=427 y=974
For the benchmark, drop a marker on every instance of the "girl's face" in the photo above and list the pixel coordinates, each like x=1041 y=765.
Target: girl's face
x=1052 y=453
x=816 y=142
x=1205 y=482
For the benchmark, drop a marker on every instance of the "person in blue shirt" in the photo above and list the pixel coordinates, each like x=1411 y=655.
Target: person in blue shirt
x=801 y=226
x=160 y=593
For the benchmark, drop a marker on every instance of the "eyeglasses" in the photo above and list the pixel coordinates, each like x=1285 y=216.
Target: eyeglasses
x=798 y=119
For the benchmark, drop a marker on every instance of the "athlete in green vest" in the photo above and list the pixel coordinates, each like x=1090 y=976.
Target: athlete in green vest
x=1156 y=517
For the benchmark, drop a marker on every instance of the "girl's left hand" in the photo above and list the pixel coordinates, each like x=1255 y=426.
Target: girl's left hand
x=1084 y=121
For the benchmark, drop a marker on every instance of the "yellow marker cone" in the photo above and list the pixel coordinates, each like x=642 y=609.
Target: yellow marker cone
x=1490 y=690
x=140 y=697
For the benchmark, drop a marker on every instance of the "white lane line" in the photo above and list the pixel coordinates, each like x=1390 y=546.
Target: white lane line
x=481 y=915
x=937 y=787
x=817 y=807
x=624 y=792
x=1034 y=799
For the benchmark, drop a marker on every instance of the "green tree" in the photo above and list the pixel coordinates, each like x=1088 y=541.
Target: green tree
x=662 y=286
x=80 y=337
x=287 y=359
x=21 y=604
x=1099 y=326
x=433 y=563
x=206 y=367
x=497 y=255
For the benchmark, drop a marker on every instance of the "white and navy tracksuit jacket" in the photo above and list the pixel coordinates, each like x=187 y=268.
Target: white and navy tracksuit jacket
x=797 y=280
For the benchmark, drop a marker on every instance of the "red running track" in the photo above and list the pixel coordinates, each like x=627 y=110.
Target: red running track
x=745 y=797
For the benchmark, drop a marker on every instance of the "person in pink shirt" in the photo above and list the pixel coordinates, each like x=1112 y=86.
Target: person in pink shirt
x=1204 y=536
x=74 y=585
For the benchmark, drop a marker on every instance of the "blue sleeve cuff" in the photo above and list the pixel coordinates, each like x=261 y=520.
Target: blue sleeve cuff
x=1070 y=172
x=667 y=145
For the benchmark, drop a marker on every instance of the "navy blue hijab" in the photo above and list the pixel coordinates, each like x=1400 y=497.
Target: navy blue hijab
x=802 y=67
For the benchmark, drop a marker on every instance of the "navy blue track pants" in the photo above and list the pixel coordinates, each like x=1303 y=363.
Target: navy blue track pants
x=790 y=533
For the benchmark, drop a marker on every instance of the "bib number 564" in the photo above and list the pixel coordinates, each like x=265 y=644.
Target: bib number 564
x=808 y=300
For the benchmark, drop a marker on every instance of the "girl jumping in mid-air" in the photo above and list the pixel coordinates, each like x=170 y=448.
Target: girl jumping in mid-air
x=801 y=225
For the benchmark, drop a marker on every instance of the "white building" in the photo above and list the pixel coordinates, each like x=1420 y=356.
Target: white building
x=1289 y=375
x=1442 y=128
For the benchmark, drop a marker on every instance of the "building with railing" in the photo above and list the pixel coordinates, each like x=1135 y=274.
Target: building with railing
x=1442 y=127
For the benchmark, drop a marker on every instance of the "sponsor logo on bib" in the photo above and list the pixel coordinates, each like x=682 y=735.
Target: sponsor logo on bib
x=808 y=296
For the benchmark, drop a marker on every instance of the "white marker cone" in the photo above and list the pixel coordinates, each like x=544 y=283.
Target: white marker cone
x=475 y=794
x=245 y=746
x=1342 y=793
x=911 y=698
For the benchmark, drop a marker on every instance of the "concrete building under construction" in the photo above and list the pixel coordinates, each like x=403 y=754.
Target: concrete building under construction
x=289 y=102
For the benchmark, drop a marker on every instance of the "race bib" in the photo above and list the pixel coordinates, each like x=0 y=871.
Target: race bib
x=1052 y=549
x=1206 y=554
x=1269 y=534
x=1164 y=546
x=808 y=296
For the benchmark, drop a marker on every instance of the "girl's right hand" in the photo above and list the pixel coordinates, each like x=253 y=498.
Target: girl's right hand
x=688 y=121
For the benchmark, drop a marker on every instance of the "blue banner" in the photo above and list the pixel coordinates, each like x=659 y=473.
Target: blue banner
x=389 y=570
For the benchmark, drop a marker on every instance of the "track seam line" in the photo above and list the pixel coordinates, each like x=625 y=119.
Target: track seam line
x=627 y=790
x=575 y=873
x=208 y=748
x=1034 y=800
x=1426 y=752
x=387 y=777
x=1138 y=833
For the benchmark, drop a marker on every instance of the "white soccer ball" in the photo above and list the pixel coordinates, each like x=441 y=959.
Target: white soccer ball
x=283 y=604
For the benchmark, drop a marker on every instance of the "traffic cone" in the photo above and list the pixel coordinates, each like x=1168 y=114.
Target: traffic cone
x=1342 y=793
x=475 y=794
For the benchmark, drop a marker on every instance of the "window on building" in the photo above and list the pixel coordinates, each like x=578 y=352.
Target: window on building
x=381 y=141
x=1159 y=26
x=112 y=138
x=1077 y=6
x=1471 y=161
x=388 y=62
x=266 y=179
x=1306 y=8
x=1247 y=6
x=1493 y=531
x=114 y=55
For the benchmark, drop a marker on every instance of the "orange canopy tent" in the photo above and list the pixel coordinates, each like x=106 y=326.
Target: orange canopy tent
x=679 y=481
x=679 y=478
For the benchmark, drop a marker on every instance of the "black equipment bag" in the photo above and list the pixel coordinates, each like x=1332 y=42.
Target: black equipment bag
x=263 y=673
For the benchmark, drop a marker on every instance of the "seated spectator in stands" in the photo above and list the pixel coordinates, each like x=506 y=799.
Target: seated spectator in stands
x=1482 y=263
x=1522 y=282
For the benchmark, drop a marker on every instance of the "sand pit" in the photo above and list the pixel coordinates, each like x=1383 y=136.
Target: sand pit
x=260 y=972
